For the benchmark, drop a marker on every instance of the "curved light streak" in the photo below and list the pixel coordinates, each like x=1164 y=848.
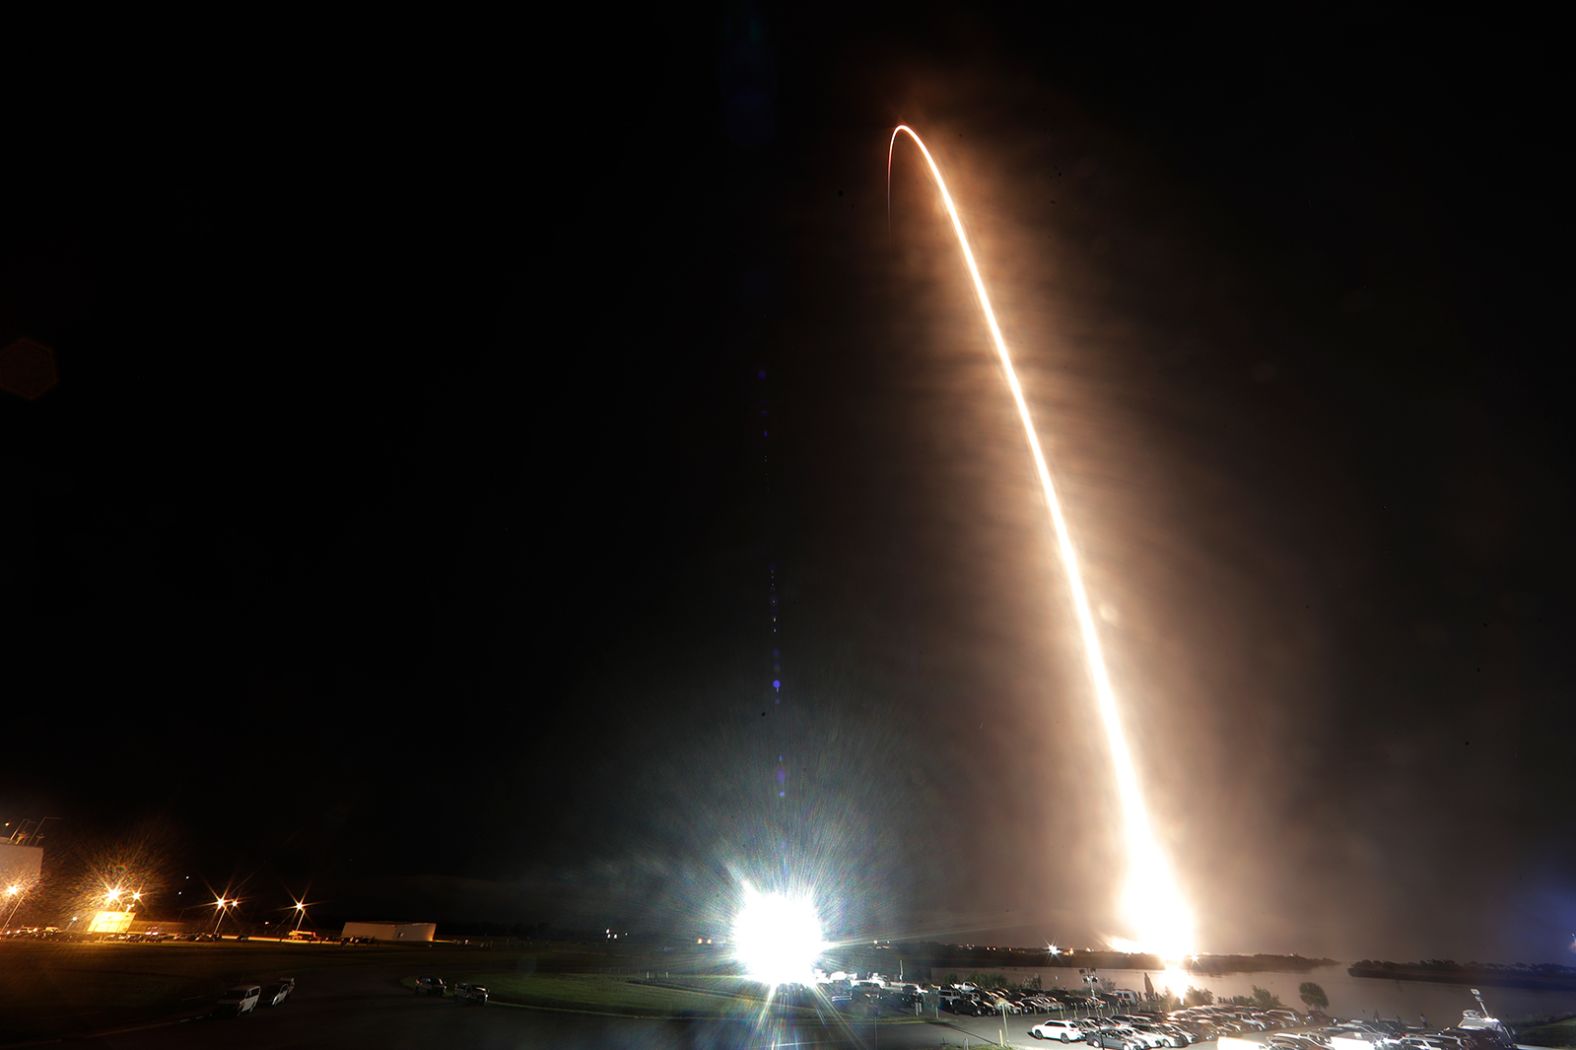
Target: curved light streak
x=1151 y=900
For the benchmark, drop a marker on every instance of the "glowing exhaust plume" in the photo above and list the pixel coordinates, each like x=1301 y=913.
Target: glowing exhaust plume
x=777 y=937
x=1151 y=901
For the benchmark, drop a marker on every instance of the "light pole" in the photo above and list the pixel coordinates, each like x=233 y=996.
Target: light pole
x=1092 y=979
x=219 y=904
x=13 y=895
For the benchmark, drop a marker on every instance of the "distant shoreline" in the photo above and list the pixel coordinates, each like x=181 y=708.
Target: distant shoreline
x=984 y=958
x=1547 y=977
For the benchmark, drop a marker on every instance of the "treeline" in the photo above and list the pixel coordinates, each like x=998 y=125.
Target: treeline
x=1448 y=971
x=965 y=957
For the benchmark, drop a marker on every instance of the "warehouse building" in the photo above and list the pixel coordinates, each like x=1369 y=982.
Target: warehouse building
x=20 y=865
x=390 y=931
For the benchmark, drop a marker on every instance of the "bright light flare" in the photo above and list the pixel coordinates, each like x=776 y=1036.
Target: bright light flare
x=777 y=937
x=1151 y=901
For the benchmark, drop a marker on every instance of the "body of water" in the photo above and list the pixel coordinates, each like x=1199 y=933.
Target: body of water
x=1349 y=996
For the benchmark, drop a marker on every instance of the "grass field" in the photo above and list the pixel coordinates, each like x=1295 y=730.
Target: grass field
x=1560 y=1033
x=50 y=989
x=618 y=995
x=687 y=996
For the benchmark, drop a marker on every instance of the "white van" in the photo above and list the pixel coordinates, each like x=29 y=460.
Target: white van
x=242 y=999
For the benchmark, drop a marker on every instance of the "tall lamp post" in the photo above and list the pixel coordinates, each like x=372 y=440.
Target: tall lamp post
x=220 y=905
x=13 y=896
x=1091 y=979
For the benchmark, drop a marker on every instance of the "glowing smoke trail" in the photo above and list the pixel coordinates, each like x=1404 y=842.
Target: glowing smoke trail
x=1151 y=900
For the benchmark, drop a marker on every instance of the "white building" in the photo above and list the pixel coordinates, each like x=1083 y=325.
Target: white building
x=391 y=931
x=20 y=865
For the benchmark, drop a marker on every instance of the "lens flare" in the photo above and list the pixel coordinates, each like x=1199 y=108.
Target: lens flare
x=777 y=938
x=1151 y=902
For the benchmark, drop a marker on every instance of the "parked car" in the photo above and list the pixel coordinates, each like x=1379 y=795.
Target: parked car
x=1057 y=1028
x=470 y=993
x=278 y=991
x=430 y=986
x=1116 y=1039
x=242 y=999
x=1150 y=1032
x=1146 y=1036
x=1430 y=1042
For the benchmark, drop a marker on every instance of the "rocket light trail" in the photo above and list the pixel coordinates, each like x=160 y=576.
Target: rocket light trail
x=1151 y=900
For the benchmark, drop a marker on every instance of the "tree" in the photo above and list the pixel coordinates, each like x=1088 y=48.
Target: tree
x=1313 y=996
x=1265 y=999
x=1199 y=997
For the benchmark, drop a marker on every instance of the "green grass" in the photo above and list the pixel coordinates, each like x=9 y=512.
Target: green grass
x=727 y=997
x=59 y=989
x=1560 y=1033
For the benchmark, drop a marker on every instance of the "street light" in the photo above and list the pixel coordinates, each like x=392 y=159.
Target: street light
x=13 y=895
x=1092 y=979
x=220 y=905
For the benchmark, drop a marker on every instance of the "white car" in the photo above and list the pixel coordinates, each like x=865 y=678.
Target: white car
x=280 y=990
x=1056 y=1028
x=1116 y=1039
x=1149 y=1038
x=242 y=999
x=1151 y=1032
x=470 y=993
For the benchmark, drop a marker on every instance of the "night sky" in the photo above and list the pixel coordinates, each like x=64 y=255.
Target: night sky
x=444 y=417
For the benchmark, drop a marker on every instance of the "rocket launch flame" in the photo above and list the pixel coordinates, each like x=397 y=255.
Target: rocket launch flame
x=1151 y=902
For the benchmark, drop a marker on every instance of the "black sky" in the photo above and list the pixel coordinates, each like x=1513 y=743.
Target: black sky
x=406 y=519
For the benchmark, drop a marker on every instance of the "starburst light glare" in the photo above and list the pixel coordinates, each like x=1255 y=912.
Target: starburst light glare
x=1151 y=902
x=777 y=937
